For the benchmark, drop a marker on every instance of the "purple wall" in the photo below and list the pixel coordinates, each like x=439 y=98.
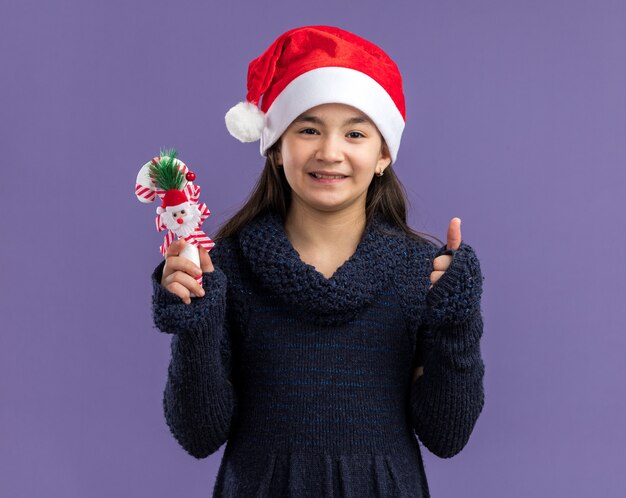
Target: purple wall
x=516 y=123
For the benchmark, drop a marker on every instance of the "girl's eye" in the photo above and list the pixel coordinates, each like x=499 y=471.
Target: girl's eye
x=355 y=134
x=309 y=131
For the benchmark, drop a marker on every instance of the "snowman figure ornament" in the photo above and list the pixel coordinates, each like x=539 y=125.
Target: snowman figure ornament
x=170 y=180
x=178 y=214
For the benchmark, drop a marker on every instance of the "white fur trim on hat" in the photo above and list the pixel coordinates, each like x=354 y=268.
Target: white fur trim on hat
x=245 y=122
x=178 y=207
x=340 y=85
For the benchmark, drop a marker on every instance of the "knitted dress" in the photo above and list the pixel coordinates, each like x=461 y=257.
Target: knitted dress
x=308 y=379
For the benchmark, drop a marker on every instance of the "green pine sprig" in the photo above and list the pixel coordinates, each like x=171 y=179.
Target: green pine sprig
x=165 y=173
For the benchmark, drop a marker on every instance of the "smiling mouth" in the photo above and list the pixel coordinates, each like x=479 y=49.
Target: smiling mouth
x=319 y=176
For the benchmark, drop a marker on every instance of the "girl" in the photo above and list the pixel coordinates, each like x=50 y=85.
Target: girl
x=326 y=333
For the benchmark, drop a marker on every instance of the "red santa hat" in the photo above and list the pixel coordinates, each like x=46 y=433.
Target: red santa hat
x=173 y=200
x=314 y=65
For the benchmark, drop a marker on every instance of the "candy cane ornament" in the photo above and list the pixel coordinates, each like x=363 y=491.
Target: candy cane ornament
x=167 y=178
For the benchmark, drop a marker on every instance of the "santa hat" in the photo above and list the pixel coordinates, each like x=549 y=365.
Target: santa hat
x=314 y=65
x=173 y=200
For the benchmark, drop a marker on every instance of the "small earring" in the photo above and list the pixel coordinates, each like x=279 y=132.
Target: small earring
x=381 y=173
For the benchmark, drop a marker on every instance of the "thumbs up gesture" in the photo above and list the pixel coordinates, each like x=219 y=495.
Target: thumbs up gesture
x=441 y=263
x=456 y=297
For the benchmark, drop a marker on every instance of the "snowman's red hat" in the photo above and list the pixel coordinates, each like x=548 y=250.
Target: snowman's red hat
x=172 y=201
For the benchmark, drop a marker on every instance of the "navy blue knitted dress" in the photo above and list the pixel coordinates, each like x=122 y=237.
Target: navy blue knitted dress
x=308 y=379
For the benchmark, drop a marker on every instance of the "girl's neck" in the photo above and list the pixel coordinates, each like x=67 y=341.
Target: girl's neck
x=324 y=240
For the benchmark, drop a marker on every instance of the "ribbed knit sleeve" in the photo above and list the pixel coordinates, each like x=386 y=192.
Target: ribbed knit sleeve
x=448 y=398
x=198 y=400
x=456 y=295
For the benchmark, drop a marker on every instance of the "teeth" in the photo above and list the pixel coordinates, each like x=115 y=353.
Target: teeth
x=332 y=177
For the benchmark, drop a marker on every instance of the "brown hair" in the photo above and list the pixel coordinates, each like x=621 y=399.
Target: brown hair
x=385 y=196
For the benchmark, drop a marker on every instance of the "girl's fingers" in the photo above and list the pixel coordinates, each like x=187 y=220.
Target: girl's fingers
x=419 y=371
x=175 y=248
x=187 y=281
x=205 y=260
x=170 y=264
x=180 y=263
x=180 y=290
x=436 y=275
x=440 y=265
x=442 y=262
x=179 y=273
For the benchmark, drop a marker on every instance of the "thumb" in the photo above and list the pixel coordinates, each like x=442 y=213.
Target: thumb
x=454 y=234
x=206 y=265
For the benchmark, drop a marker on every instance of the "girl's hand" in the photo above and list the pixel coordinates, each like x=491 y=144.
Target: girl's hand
x=441 y=263
x=179 y=272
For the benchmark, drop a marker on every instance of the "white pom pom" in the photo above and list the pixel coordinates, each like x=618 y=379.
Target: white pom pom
x=160 y=210
x=245 y=122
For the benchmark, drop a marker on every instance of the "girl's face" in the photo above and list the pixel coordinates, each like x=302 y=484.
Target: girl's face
x=330 y=154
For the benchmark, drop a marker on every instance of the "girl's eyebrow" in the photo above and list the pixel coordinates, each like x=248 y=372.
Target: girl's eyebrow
x=318 y=121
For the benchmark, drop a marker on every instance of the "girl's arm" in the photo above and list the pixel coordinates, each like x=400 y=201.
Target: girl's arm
x=198 y=401
x=448 y=398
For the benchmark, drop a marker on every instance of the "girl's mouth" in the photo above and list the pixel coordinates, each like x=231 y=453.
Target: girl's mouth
x=320 y=176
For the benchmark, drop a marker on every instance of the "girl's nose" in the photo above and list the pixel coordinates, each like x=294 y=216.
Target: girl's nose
x=329 y=149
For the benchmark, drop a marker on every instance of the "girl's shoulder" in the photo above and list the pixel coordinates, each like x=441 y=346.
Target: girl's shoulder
x=224 y=248
x=407 y=258
x=408 y=246
x=415 y=255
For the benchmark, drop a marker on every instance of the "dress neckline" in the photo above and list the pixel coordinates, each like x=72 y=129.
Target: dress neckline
x=281 y=271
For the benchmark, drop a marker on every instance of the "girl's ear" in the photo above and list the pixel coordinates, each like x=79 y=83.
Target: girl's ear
x=384 y=159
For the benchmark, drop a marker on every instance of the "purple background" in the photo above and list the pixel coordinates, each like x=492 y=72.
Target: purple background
x=516 y=124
